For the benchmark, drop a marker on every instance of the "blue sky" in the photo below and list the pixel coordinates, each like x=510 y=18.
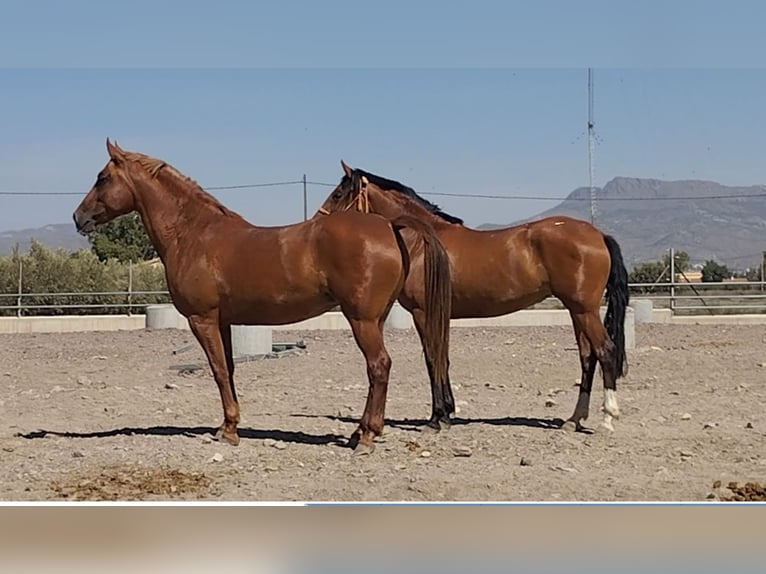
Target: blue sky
x=486 y=100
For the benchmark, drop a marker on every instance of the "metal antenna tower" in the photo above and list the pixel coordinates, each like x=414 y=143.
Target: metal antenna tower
x=591 y=126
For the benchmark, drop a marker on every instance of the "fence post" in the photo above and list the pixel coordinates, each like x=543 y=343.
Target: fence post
x=672 y=281
x=18 y=298
x=130 y=287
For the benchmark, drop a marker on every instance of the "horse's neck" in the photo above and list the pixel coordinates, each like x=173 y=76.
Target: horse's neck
x=416 y=210
x=167 y=215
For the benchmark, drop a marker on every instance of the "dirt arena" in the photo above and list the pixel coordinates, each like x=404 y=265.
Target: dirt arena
x=101 y=416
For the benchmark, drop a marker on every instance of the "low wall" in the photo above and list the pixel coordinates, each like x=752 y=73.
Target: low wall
x=399 y=318
x=70 y=323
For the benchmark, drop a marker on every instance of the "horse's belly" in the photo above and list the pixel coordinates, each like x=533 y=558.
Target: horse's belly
x=493 y=305
x=275 y=311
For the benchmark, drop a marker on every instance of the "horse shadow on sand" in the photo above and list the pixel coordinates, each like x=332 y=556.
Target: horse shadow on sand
x=296 y=437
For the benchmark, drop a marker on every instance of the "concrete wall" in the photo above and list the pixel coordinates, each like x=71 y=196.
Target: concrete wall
x=399 y=318
x=69 y=324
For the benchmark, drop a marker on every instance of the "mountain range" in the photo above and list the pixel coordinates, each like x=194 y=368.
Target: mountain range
x=706 y=219
x=648 y=216
x=59 y=235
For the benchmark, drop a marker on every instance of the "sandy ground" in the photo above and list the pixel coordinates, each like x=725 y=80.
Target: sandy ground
x=102 y=416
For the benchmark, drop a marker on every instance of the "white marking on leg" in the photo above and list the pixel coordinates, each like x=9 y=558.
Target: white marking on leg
x=607 y=424
x=610 y=403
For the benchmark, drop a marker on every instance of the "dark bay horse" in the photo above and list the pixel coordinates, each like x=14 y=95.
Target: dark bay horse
x=501 y=271
x=221 y=270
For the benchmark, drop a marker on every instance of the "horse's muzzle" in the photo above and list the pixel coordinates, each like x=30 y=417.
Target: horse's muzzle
x=84 y=225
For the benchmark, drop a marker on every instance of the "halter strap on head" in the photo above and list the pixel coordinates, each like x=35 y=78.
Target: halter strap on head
x=362 y=200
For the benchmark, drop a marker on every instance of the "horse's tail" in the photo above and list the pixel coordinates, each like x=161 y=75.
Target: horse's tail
x=618 y=296
x=438 y=294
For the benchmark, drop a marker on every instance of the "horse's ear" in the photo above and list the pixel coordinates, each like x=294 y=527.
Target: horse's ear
x=115 y=152
x=346 y=169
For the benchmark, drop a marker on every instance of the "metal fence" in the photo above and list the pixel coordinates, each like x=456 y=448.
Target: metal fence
x=682 y=298
x=117 y=302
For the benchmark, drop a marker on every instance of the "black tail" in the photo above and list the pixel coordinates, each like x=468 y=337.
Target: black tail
x=438 y=297
x=618 y=296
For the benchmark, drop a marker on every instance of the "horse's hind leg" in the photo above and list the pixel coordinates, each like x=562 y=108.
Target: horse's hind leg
x=442 y=402
x=208 y=332
x=369 y=337
x=589 y=326
x=588 y=366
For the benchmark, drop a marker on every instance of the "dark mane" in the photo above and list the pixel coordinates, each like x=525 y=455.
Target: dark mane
x=391 y=185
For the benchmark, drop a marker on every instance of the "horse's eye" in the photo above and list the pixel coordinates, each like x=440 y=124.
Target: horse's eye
x=102 y=179
x=337 y=195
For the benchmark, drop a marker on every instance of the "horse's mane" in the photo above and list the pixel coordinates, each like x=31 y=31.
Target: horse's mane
x=391 y=185
x=153 y=166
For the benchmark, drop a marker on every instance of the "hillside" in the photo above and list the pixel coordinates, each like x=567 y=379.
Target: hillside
x=648 y=216
x=61 y=235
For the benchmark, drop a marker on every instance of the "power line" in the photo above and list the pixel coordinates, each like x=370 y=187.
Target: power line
x=212 y=188
x=541 y=198
x=249 y=185
x=430 y=193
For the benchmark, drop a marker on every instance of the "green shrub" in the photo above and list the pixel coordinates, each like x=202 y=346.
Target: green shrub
x=81 y=273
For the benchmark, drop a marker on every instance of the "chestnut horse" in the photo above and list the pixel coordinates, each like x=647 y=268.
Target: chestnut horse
x=501 y=271
x=221 y=270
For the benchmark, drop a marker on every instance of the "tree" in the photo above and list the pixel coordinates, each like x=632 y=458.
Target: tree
x=124 y=239
x=649 y=272
x=754 y=273
x=713 y=272
x=681 y=262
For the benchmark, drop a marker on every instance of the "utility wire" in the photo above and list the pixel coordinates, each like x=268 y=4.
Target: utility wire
x=431 y=193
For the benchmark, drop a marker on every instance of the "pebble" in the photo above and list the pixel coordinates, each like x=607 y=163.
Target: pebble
x=207 y=439
x=83 y=380
x=550 y=403
x=77 y=454
x=171 y=386
x=525 y=462
x=686 y=417
x=269 y=442
x=462 y=451
x=280 y=445
x=749 y=425
x=709 y=425
x=686 y=454
x=425 y=454
x=217 y=457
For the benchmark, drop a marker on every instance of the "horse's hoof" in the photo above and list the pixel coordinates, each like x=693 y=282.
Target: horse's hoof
x=606 y=427
x=231 y=438
x=363 y=449
x=445 y=424
x=570 y=426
